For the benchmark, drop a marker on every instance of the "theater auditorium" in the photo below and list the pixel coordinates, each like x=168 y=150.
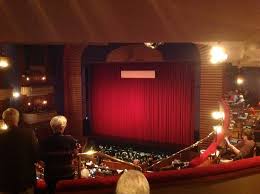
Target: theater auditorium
x=129 y=97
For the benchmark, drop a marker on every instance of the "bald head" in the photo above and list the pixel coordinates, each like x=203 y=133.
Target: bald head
x=11 y=117
x=132 y=182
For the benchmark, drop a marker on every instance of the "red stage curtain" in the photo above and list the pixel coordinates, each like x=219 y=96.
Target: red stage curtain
x=158 y=110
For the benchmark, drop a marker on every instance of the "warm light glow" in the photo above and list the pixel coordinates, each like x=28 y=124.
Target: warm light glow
x=152 y=45
x=217 y=129
x=3 y=126
x=27 y=78
x=218 y=55
x=43 y=78
x=44 y=102
x=240 y=80
x=217 y=115
x=4 y=62
x=29 y=104
x=16 y=94
x=90 y=152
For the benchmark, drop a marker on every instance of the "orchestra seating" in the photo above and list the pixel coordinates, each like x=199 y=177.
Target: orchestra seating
x=238 y=177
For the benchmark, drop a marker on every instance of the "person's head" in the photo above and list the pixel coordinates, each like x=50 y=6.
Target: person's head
x=247 y=134
x=58 y=124
x=132 y=182
x=11 y=117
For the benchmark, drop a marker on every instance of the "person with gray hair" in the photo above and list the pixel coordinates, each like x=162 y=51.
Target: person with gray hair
x=57 y=153
x=132 y=182
x=18 y=151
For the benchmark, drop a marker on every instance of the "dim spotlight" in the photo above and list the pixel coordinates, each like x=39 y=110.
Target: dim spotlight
x=217 y=115
x=240 y=80
x=218 y=55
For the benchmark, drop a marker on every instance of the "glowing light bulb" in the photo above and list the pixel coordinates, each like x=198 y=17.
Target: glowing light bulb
x=240 y=80
x=218 y=55
x=3 y=126
x=16 y=94
x=217 y=115
x=27 y=79
x=4 y=62
x=29 y=104
x=43 y=78
x=44 y=102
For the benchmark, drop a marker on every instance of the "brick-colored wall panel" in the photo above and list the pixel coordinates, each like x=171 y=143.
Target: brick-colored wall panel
x=73 y=106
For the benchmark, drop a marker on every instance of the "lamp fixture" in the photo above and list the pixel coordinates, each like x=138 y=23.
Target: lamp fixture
x=218 y=55
x=43 y=78
x=218 y=115
x=4 y=62
x=3 y=126
x=240 y=80
x=44 y=102
x=16 y=94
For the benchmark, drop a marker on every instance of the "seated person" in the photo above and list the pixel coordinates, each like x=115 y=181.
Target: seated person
x=246 y=147
x=132 y=182
x=57 y=153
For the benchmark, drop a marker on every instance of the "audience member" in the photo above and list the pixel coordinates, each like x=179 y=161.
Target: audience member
x=246 y=147
x=57 y=153
x=132 y=182
x=18 y=151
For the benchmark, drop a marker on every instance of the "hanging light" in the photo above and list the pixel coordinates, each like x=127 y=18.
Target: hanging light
x=27 y=78
x=29 y=104
x=4 y=62
x=44 y=102
x=43 y=78
x=218 y=55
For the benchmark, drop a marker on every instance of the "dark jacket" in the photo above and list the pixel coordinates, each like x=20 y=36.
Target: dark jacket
x=18 y=151
x=57 y=153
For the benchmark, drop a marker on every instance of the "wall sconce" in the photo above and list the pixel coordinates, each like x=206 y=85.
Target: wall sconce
x=16 y=94
x=4 y=62
x=218 y=55
x=44 y=102
x=3 y=126
x=240 y=80
x=218 y=115
x=43 y=78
